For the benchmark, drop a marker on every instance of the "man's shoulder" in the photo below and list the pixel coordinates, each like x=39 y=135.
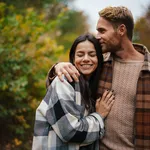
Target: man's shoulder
x=141 y=48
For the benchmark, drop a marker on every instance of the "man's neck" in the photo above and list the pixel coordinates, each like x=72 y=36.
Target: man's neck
x=128 y=52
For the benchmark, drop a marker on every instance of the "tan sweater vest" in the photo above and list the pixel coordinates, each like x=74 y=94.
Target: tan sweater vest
x=119 y=122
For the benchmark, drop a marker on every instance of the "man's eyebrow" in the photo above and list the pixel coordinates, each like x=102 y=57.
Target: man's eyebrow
x=99 y=28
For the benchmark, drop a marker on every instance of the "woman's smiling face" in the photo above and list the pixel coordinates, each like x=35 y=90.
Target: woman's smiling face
x=86 y=60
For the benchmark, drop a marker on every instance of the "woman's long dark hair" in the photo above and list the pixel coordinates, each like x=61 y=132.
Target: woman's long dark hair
x=88 y=88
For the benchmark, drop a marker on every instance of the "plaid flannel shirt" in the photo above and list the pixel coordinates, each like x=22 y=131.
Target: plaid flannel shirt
x=62 y=123
x=142 y=102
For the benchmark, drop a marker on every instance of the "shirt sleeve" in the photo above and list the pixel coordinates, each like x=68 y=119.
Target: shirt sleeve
x=50 y=75
x=66 y=117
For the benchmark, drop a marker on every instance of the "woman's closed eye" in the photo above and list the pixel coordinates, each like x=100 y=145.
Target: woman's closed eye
x=93 y=54
x=80 y=54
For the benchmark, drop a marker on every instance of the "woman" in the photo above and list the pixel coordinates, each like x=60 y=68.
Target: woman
x=64 y=119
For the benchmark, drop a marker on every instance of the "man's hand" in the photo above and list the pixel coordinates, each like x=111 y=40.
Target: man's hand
x=68 y=70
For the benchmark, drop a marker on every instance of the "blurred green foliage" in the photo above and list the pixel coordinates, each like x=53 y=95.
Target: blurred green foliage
x=33 y=36
x=31 y=41
x=142 y=29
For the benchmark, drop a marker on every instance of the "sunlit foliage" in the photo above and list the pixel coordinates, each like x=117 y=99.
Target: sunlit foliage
x=142 y=29
x=29 y=46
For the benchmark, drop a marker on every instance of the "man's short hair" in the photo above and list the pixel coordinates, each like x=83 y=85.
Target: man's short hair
x=117 y=16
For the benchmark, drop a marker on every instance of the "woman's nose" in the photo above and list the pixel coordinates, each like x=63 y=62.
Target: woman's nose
x=86 y=58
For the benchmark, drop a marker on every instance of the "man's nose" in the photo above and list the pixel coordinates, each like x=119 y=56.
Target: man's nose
x=98 y=36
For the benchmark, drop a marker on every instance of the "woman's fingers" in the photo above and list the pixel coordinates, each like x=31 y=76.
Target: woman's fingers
x=104 y=104
x=107 y=95
x=104 y=95
x=111 y=101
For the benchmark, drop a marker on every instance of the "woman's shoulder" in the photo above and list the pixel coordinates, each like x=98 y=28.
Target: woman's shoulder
x=57 y=82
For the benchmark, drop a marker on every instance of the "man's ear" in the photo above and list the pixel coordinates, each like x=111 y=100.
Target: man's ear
x=122 y=29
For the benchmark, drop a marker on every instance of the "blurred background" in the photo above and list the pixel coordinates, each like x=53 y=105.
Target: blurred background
x=33 y=36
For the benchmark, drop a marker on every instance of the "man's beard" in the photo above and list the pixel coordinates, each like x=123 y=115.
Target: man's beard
x=111 y=48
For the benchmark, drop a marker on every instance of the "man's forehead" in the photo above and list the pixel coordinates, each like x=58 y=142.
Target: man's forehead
x=103 y=23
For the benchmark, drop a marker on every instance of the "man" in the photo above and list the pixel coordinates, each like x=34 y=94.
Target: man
x=126 y=70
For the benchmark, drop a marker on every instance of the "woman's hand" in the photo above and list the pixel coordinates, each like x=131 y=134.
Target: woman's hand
x=68 y=70
x=104 y=104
